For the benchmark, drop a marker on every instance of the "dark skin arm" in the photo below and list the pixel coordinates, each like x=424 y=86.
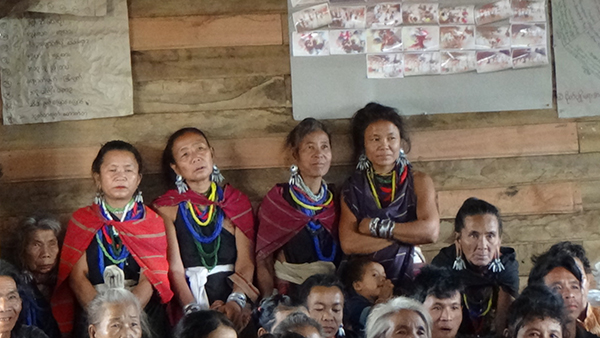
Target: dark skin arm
x=265 y=275
x=504 y=301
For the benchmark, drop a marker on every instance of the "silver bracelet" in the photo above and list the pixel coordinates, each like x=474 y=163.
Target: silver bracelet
x=239 y=298
x=374 y=226
x=389 y=229
x=191 y=307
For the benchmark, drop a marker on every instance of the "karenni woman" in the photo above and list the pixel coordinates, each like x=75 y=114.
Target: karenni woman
x=488 y=271
x=38 y=249
x=399 y=318
x=116 y=230
x=387 y=208
x=14 y=303
x=210 y=229
x=297 y=232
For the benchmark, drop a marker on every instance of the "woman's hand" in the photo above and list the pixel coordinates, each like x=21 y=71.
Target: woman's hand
x=240 y=317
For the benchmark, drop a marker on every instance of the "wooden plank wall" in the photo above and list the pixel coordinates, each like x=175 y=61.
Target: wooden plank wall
x=224 y=66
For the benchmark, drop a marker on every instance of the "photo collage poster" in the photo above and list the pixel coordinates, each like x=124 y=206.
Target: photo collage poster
x=423 y=38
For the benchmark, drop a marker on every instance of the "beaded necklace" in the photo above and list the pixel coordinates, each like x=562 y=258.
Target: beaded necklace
x=195 y=221
x=115 y=251
x=371 y=178
x=310 y=207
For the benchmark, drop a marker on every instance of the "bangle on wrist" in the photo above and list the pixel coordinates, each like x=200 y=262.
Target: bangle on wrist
x=239 y=298
x=191 y=307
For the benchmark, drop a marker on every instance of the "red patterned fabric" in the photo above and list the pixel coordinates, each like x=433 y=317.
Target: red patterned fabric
x=278 y=222
x=235 y=204
x=144 y=238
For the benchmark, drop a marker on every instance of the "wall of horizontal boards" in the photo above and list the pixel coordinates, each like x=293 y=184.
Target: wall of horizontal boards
x=224 y=66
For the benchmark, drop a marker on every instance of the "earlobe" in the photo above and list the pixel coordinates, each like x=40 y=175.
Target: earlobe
x=357 y=286
x=96 y=178
x=92 y=331
x=174 y=167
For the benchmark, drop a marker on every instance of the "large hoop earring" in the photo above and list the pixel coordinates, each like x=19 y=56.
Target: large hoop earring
x=181 y=186
x=459 y=262
x=216 y=175
x=496 y=264
x=294 y=175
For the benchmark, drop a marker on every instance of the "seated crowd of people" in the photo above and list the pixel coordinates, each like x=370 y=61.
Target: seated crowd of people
x=199 y=262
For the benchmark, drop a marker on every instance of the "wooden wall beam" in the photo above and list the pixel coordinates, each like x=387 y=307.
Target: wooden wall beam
x=204 y=31
x=266 y=152
x=517 y=200
x=153 y=8
x=178 y=96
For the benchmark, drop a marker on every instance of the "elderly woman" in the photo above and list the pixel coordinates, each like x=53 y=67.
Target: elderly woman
x=37 y=257
x=399 y=318
x=12 y=293
x=118 y=229
x=116 y=312
x=488 y=271
x=297 y=232
x=537 y=312
x=210 y=228
x=387 y=207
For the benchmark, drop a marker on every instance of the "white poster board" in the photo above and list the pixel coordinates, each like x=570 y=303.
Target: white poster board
x=335 y=86
x=577 y=53
x=64 y=67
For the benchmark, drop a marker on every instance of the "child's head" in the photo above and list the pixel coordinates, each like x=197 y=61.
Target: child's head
x=364 y=276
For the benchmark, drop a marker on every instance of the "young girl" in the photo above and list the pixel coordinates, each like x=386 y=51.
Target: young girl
x=367 y=285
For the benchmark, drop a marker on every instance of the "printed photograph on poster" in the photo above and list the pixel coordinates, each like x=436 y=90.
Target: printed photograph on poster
x=347 y=41
x=315 y=43
x=528 y=11
x=384 y=15
x=493 y=12
x=348 y=16
x=346 y=1
x=493 y=61
x=529 y=57
x=457 y=15
x=296 y=3
x=492 y=37
x=384 y=40
x=419 y=14
x=312 y=18
x=384 y=66
x=421 y=64
x=527 y=35
x=457 y=62
x=457 y=37
x=417 y=38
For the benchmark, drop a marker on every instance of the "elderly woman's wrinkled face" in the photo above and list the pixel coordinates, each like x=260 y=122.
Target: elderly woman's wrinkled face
x=41 y=251
x=541 y=328
x=407 y=324
x=10 y=304
x=193 y=157
x=314 y=154
x=480 y=239
x=118 y=321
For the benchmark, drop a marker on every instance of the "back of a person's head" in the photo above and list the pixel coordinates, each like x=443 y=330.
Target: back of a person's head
x=536 y=301
x=295 y=321
x=546 y=263
x=323 y=280
x=201 y=324
x=268 y=308
x=439 y=282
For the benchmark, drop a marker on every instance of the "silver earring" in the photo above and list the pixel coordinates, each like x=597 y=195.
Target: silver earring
x=402 y=160
x=139 y=198
x=363 y=162
x=98 y=198
x=181 y=186
x=496 y=264
x=294 y=177
x=459 y=263
x=216 y=175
